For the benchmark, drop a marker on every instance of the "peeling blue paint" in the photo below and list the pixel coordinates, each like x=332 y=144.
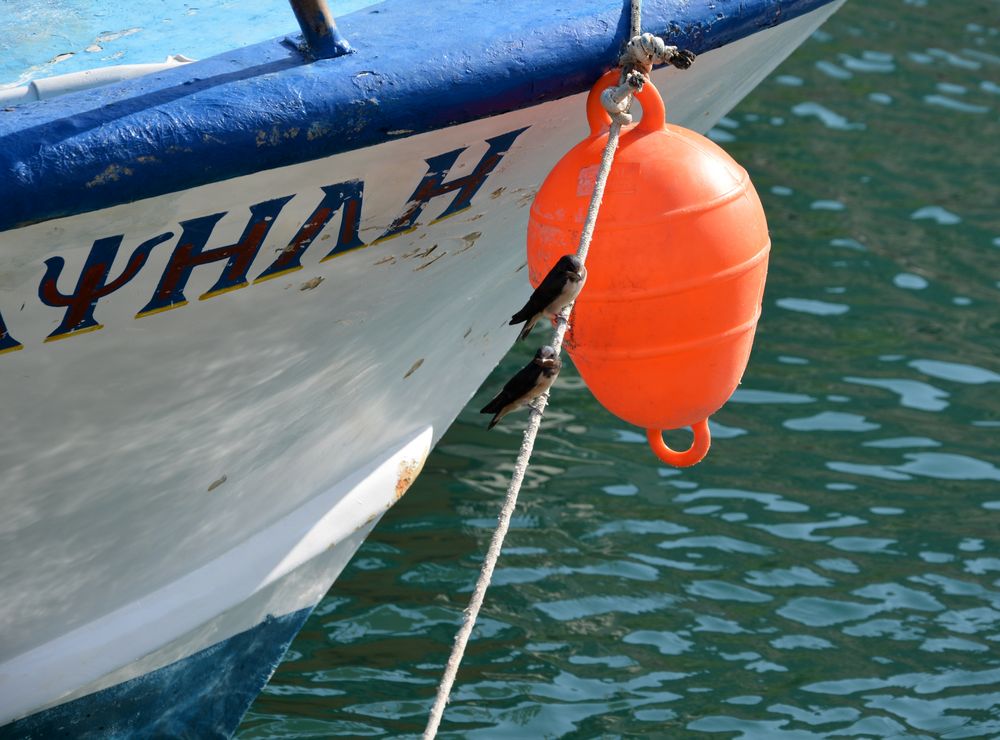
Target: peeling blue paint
x=416 y=68
x=202 y=696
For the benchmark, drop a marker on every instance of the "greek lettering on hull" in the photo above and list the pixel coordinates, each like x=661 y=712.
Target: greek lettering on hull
x=81 y=304
x=92 y=285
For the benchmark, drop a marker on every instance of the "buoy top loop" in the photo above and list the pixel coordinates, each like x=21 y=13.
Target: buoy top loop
x=653 y=111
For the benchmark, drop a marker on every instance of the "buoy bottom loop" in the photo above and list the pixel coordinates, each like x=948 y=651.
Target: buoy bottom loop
x=692 y=455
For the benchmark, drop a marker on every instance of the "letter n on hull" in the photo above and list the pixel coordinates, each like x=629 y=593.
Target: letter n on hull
x=346 y=196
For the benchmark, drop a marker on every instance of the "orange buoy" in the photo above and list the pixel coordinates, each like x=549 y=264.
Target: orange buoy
x=662 y=331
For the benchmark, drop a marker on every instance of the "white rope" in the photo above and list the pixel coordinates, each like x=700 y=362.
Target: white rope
x=635 y=19
x=616 y=101
x=521 y=466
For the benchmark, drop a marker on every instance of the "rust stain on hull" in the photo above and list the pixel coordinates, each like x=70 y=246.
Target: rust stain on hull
x=408 y=472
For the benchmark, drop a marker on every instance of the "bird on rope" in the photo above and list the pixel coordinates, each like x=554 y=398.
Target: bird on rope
x=558 y=289
x=531 y=381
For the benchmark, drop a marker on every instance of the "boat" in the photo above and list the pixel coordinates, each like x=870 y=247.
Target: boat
x=240 y=301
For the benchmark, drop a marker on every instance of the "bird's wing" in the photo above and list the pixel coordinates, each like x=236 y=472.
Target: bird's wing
x=522 y=381
x=546 y=292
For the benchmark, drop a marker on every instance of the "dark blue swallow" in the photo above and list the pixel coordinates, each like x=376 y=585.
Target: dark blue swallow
x=530 y=382
x=556 y=291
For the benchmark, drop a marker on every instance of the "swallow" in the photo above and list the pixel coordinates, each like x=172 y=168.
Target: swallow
x=556 y=291
x=530 y=382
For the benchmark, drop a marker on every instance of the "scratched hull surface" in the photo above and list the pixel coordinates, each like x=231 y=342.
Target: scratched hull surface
x=197 y=368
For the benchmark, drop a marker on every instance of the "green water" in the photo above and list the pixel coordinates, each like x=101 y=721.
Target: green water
x=832 y=569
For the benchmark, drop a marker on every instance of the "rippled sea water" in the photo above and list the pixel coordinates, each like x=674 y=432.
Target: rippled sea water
x=833 y=568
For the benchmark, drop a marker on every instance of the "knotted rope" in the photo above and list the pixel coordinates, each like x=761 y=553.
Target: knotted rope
x=642 y=51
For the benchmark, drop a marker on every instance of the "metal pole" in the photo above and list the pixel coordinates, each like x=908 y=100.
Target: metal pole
x=323 y=41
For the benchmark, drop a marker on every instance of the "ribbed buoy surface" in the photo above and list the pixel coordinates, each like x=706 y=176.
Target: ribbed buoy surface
x=663 y=328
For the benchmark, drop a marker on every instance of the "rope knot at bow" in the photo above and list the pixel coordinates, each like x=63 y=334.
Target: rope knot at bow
x=645 y=50
x=637 y=60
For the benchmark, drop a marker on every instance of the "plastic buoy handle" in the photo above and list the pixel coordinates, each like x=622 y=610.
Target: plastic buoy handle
x=653 y=113
x=691 y=456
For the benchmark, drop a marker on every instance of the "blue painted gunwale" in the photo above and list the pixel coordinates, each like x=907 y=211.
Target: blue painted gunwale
x=417 y=67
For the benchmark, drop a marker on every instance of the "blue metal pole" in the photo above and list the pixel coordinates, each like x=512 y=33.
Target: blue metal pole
x=323 y=41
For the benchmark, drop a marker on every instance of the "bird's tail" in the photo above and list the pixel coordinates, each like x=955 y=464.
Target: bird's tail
x=528 y=326
x=492 y=407
x=523 y=315
x=495 y=407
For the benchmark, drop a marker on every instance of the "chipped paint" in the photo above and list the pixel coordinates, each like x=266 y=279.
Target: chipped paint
x=115 y=35
x=527 y=197
x=419 y=252
x=216 y=483
x=310 y=284
x=275 y=136
x=413 y=368
x=470 y=241
x=429 y=262
x=316 y=130
x=111 y=173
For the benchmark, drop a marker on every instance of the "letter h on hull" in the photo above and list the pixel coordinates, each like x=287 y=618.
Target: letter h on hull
x=434 y=185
